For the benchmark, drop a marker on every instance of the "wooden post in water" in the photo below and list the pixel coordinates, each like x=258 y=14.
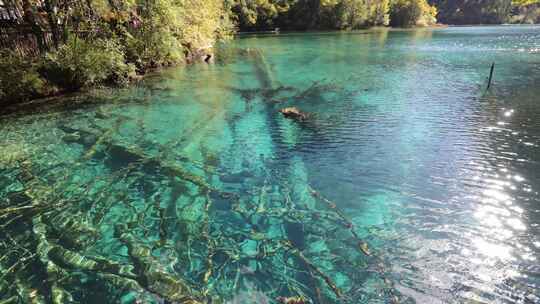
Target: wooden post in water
x=490 y=75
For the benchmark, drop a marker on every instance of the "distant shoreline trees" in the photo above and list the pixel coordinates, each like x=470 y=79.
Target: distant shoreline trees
x=330 y=14
x=487 y=11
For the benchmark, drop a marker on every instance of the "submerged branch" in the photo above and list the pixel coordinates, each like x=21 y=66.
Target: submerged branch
x=362 y=245
x=314 y=268
x=152 y=277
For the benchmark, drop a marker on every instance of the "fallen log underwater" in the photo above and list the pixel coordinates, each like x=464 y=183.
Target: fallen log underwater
x=131 y=153
x=294 y=113
x=61 y=232
x=269 y=89
x=57 y=262
x=135 y=154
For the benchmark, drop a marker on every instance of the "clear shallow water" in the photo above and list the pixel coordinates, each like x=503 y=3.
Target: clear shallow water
x=408 y=183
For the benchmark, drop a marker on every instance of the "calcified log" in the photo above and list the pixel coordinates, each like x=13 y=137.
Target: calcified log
x=11 y=300
x=262 y=69
x=28 y=293
x=209 y=242
x=316 y=89
x=134 y=154
x=21 y=287
x=72 y=229
x=152 y=277
x=362 y=245
x=149 y=276
x=56 y=260
x=24 y=210
x=50 y=252
x=33 y=205
x=101 y=139
x=284 y=244
x=293 y=113
x=314 y=268
x=292 y=300
x=55 y=275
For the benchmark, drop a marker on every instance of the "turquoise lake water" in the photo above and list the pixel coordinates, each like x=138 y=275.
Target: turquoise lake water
x=408 y=182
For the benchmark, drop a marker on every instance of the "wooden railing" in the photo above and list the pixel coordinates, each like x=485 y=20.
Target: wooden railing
x=21 y=39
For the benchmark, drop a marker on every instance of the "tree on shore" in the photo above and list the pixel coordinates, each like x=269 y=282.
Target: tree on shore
x=85 y=43
x=474 y=11
x=408 y=13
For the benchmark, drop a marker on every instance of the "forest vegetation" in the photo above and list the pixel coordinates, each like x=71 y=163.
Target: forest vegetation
x=487 y=11
x=52 y=46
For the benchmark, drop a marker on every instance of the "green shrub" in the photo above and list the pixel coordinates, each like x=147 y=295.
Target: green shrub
x=344 y=14
x=169 y=30
x=81 y=63
x=153 y=47
x=19 y=79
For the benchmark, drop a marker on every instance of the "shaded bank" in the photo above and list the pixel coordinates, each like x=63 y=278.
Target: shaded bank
x=461 y=12
x=58 y=46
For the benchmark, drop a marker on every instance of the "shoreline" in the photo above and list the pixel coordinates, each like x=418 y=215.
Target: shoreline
x=374 y=29
x=80 y=97
x=323 y=31
x=57 y=98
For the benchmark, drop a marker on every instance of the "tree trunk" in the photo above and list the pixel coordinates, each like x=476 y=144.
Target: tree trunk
x=30 y=19
x=53 y=21
x=315 y=8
